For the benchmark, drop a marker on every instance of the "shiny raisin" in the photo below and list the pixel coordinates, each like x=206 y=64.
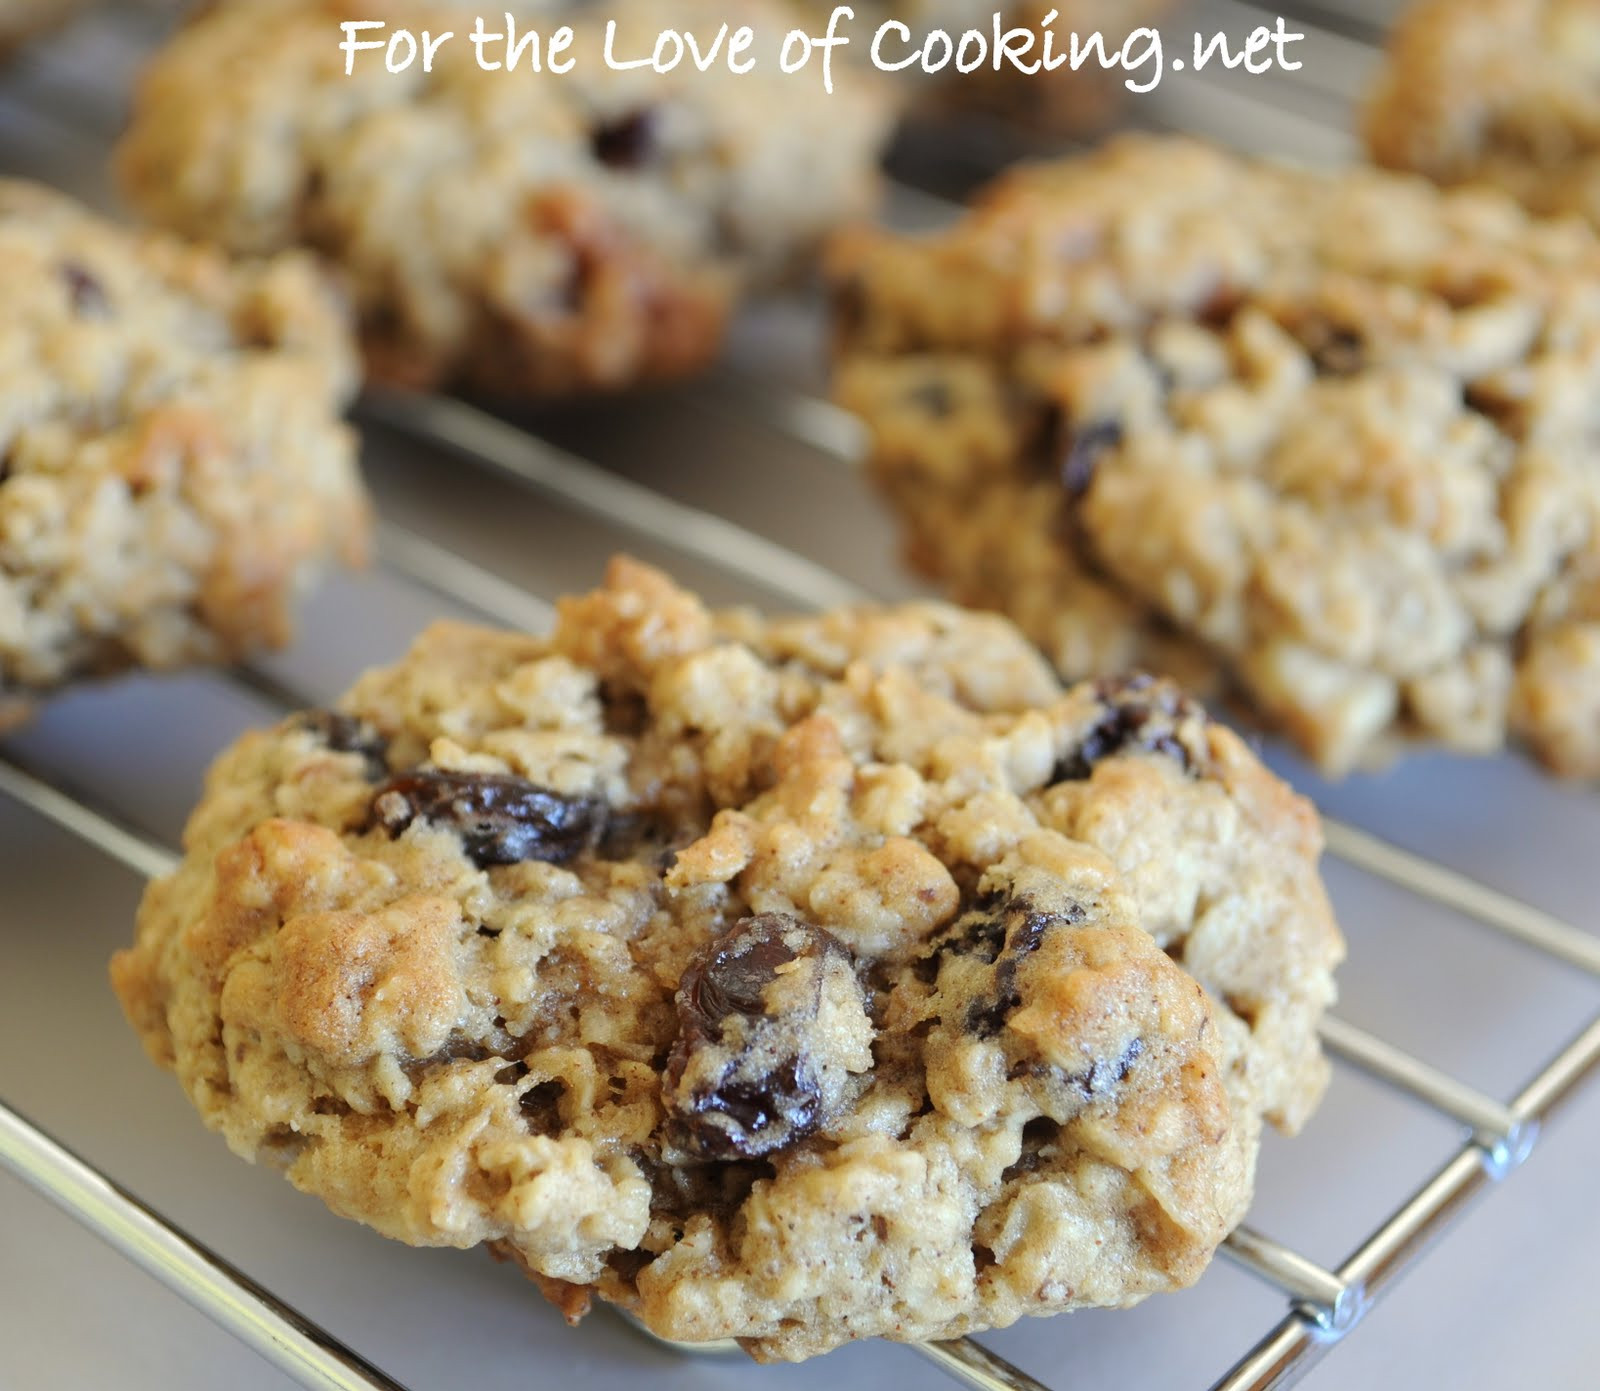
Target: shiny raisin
x=501 y=820
x=1141 y=714
x=751 y=1072
x=1335 y=351
x=1005 y=934
x=1081 y=455
x=1108 y=1072
x=89 y=298
x=628 y=142
x=342 y=733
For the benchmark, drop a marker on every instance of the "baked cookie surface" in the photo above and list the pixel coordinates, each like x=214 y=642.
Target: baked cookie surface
x=1330 y=436
x=521 y=233
x=793 y=981
x=173 y=469
x=1497 y=92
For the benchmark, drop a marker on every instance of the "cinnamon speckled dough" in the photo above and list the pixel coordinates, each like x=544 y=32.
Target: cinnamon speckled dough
x=1329 y=435
x=1499 y=92
x=173 y=469
x=793 y=981
x=20 y=20
x=523 y=233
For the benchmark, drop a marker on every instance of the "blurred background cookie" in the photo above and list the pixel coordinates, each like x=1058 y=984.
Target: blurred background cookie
x=520 y=234
x=1501 y=92
x=173 y=470
x=1331 y=434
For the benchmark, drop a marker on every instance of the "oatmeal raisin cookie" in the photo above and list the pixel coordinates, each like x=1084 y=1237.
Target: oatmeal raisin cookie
x=1330 y=435
x=520 y=233
x=1497 y=92
x=173 y=469
x=792 y=981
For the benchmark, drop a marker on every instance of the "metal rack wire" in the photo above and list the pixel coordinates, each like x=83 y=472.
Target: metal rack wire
x=1323 y=1304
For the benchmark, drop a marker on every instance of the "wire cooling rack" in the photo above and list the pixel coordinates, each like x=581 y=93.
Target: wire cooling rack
x=744 y=485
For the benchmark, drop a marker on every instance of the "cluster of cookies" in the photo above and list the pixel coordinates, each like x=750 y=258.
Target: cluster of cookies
x=175 y=471
x=853 y=975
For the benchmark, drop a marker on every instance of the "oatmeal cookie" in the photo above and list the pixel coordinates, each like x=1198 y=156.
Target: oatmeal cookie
x=521 y=233
x=173 y=470
x=792 y=981
x=1498 y=92
x=1331 y=435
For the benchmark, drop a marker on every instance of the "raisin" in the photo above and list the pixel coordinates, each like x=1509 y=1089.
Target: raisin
x=741 y=1080
x=348 y=734
x=1141 y=714
x=541 y=1107
x=980 y=932
x=502 y=820
x=1083 y=452
x=1044 y=428
x=933 y=398
x=1020 y=928
x=627 y=142
x=1218 y=309
x=1108 y=1073
x=849 y=310
x=1335 y=351
x=631 y=835
x=89 y=298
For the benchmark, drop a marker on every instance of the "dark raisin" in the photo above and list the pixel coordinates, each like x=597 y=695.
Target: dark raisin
x=89 y=298
x=1218 y=309
x=627 y=713
x=629 y=1265
x=933 y=398
x=348 y=734
x=1083 y=451
x=628 y=835
x=1141 y=714
x=980 y=931
x=502 y=820
x=1021 y=929
x=1335 y=351
x=1108 y=1072
x=741 y=1081
x=733 y=978
x=627 y=142
x=1043 y=431
x=541 y=1107
x=848 y=309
